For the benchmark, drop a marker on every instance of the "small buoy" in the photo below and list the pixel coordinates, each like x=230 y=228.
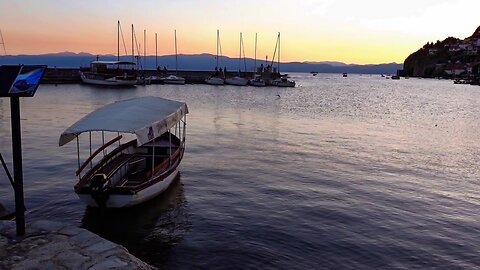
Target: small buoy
x=435 y=124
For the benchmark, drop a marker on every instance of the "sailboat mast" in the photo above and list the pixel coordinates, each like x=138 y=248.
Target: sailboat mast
x=218 y=33
x=244 y=59
x=156 y=52
x=144 y=49
x=278 y=52
x=118 y=40
x=176 y=57
x=2 y=42
x=240 y=55
x=133 y=48
x=255 y=62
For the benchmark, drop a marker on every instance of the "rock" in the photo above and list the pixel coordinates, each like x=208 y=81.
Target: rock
x=47 y=225
x=71 y=259
x=54 y=245
x=111 y=262
x=101 y=247
x=3 y=211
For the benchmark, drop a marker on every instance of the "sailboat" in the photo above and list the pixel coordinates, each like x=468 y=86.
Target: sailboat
x=155 y=79
x=215 y=79
x=283 y=81
x=257 y=79
x=111 y=73
x=174 y=79
x=237 y=80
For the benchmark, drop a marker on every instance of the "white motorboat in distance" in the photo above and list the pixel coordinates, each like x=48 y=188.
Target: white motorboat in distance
x=237 y=80
x=135 y=170
x=214 y=80
x=110 y=73
x=283 y=82
x=257 y=81
x=173 y=79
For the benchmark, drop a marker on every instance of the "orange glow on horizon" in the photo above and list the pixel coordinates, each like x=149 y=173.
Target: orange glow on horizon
x=314 y=30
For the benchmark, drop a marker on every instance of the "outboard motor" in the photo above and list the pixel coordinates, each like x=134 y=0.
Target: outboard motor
x=100 y=186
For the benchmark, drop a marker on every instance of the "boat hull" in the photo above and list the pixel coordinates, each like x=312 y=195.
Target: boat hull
x=108 y=82
x=237 y=81
x=128 y=200
x=257 y=83
x=176 y=80
x=282 y=83
x=215 y=81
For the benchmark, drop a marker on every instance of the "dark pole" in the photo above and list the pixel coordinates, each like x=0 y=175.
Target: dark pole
x=17 y=165
x=118 y=40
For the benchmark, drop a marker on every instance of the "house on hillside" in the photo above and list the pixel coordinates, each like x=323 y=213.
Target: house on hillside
x=458 y=68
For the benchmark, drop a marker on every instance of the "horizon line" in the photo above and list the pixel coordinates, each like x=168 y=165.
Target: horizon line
x=204 y=53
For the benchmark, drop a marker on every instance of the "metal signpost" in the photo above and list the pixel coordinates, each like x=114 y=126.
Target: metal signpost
x=18 y=81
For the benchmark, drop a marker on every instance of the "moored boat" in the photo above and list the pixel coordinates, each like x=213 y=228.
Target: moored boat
x=257 y=81
x=215 y=80
x=283 y=81
x=136 y=170
x=110 y=73
x=173 y=79
x=237 y=80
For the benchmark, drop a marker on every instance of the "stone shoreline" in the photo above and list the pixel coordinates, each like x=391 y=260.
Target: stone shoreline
x=54 y=245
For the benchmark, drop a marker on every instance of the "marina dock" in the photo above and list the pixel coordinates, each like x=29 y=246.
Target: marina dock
x=72 y=75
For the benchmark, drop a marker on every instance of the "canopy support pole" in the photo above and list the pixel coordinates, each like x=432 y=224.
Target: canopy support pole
x=170 y=147
x=78 y=156
x=153 y=159
x=90 y=136
x=103 y=142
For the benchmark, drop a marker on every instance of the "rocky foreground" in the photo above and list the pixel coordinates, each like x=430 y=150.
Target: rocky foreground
x=54 y=245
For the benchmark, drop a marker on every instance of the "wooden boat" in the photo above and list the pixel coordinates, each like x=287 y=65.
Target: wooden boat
x=110 y=73
x=136 y=170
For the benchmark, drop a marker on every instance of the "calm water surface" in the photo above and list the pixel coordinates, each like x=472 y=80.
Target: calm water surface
x=338 y=173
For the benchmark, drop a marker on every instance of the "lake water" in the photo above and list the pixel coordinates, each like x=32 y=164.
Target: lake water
x=337 y=173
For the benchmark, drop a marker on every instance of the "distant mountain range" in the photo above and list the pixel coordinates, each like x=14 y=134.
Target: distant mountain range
x=198 y=62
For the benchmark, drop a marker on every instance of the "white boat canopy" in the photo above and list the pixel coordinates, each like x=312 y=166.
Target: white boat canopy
x=147 y=117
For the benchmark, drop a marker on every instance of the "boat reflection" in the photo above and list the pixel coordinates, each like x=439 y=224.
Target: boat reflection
x=162 y=221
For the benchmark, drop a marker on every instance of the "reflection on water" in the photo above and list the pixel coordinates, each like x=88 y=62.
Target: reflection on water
x=338 y=173
x=148 y=228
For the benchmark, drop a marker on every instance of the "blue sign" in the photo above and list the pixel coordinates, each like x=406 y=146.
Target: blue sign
x=20 y=80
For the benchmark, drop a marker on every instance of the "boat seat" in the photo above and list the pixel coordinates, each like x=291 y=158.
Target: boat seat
x=112 y=166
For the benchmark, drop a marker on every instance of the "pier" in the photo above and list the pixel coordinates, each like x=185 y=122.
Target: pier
x=72 y=75
x=54 y=245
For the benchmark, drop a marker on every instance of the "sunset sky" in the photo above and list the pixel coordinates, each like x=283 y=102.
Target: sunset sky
x=368 y=31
